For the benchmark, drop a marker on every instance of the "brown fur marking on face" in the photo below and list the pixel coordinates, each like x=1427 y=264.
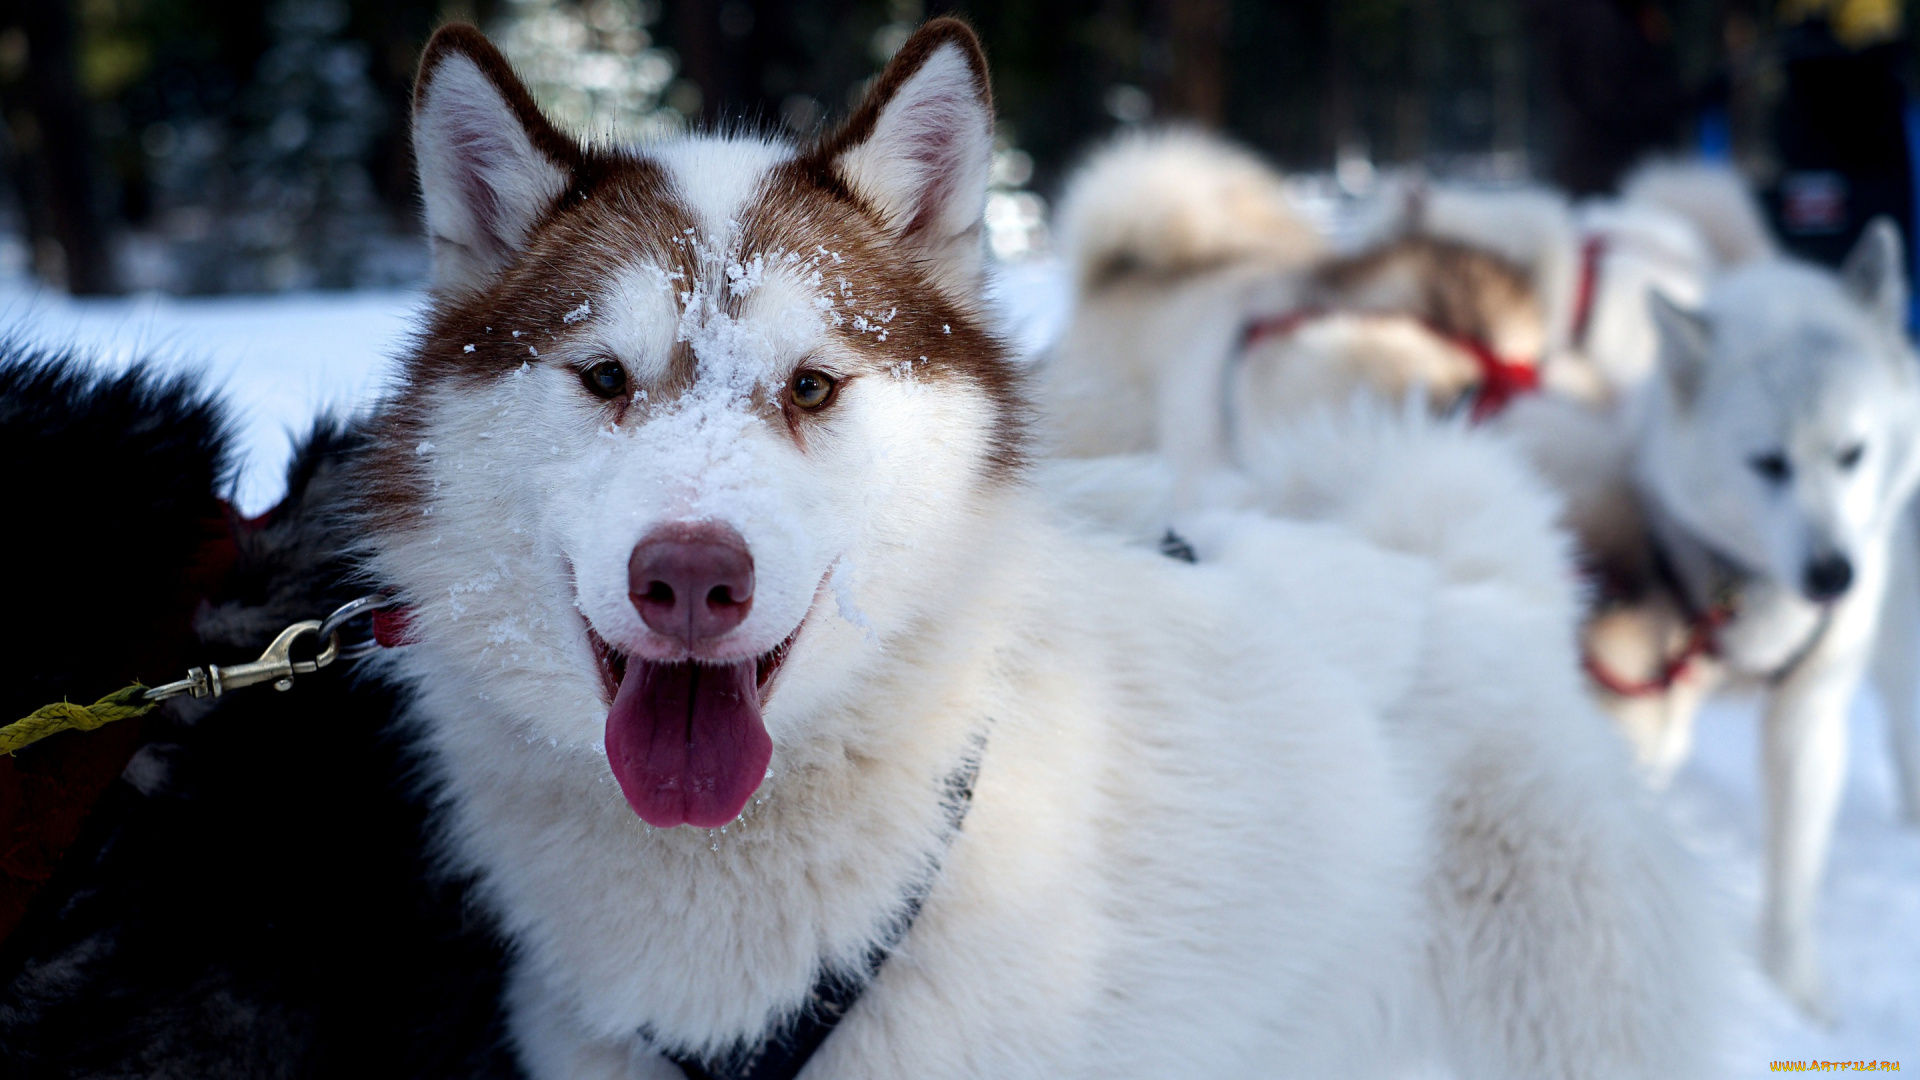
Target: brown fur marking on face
x=796 y=215
x=625 y=213
x=808 y=204
x=621 y=210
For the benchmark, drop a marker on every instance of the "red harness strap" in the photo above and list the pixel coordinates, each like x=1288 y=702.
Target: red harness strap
x=1701 y=641
x=1277 y=326
x=1592 y=250
x=1501 y=380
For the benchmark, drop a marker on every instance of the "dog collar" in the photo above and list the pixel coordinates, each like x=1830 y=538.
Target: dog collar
x=1726 y=576
x=786 y=1049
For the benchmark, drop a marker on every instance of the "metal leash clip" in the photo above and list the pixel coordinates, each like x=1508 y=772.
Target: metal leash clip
x=351 y=610
x=277 y=665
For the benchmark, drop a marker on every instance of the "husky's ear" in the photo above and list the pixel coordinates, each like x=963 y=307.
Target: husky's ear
x=490 y=165
x=919 y=149
x=1875 y=272
x=1685 y=338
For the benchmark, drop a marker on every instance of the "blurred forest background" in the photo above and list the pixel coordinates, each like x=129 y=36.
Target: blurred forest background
x=206 y=146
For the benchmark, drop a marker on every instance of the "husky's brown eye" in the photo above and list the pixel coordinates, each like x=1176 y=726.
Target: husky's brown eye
x=1851 y=455
x=606 y=379
x=811 y=389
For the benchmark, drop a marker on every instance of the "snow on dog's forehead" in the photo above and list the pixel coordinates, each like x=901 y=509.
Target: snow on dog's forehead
x=744 y=318
x=718 y=179
x=743 y=326
x=746 y=307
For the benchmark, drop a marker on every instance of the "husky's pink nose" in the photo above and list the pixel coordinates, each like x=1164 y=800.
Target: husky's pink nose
x=691 y=581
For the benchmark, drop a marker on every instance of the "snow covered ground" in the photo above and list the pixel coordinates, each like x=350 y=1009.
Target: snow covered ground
x=278 y=359
x=281 y=359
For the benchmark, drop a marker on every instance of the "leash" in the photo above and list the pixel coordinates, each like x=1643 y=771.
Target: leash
x=1501 y=380
x=780 y=1055
x=785 y=1050
x=276 y=665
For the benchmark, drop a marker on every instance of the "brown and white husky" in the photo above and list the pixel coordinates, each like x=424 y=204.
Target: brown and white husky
x=751 y=661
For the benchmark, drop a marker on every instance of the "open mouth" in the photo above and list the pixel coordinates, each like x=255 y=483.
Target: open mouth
x=612 y=663
x=685 y=739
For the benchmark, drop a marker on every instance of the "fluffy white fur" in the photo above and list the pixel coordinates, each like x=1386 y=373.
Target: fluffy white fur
x=1463 y=508
x=1328 y=803
x=1714 y=198
x=1173 y=236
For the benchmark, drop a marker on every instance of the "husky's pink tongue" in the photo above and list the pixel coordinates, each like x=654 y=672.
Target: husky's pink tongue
x=686 y=742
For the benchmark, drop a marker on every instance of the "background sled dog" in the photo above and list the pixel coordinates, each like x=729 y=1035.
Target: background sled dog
x=1177 y=235
x=745 y=653
x=1775 y=456
x=1593 y=263
x=1468 y=296
x=1192 y=268
x=1738 y=507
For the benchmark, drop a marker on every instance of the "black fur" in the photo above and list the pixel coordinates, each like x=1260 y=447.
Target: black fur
x=110 y=485
x=256 y=896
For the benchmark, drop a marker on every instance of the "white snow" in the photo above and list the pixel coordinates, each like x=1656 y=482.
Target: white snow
x=1869 y=919
x=280 y=359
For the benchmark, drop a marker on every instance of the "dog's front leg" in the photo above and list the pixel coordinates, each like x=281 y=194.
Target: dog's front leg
x=552 y=1046
x=1896 y=662
x=1805 y=768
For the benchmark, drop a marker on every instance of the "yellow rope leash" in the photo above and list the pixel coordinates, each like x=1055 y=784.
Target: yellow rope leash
x=276 y=666
x=122 y=704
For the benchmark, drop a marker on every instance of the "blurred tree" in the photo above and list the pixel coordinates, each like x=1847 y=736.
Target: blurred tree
x=1189 y=64
x=191 y=108
x=51 y=154
x=188 y=110
x=279 y=193
x=591 y=65
x=1614 y=87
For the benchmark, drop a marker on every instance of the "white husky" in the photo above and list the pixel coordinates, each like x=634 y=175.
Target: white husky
x=753 y=669
x=1774 y=457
